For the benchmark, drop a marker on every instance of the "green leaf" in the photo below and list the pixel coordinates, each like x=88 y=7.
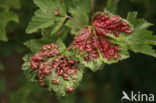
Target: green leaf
x=137 y=23
x=141 y=39
x=62 y=33
x=78 y=9
x=6 y=16
x=45 y=16
x=112 y=6
x=59 y=25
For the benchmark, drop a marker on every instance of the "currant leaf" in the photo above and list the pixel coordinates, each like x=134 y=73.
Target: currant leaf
x=62 y=33
x=137 y=23
x=63 y=87
x=58 y=26
x=140 y=42
x=49 y=12
x=141 y=39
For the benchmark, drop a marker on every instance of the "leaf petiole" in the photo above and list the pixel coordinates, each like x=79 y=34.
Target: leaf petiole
x=75 y=21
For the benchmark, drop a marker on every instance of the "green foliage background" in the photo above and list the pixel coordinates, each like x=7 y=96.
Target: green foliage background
x=105 y=86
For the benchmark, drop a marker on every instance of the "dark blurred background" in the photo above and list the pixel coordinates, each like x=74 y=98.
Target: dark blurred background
x=138 y=73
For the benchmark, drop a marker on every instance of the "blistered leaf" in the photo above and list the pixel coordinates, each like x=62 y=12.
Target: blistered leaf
x=34 y=46
x=62 y=86
x=93 y=45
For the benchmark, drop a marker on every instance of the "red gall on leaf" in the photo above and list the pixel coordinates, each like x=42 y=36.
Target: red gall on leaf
x=42 y=63
x=70 y=90
x=90 y=43
x=56 y=12
x=104 y=24
x=93 y=40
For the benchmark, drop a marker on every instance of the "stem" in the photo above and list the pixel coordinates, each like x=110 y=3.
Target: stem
x=92 y=6
x=75 y=21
